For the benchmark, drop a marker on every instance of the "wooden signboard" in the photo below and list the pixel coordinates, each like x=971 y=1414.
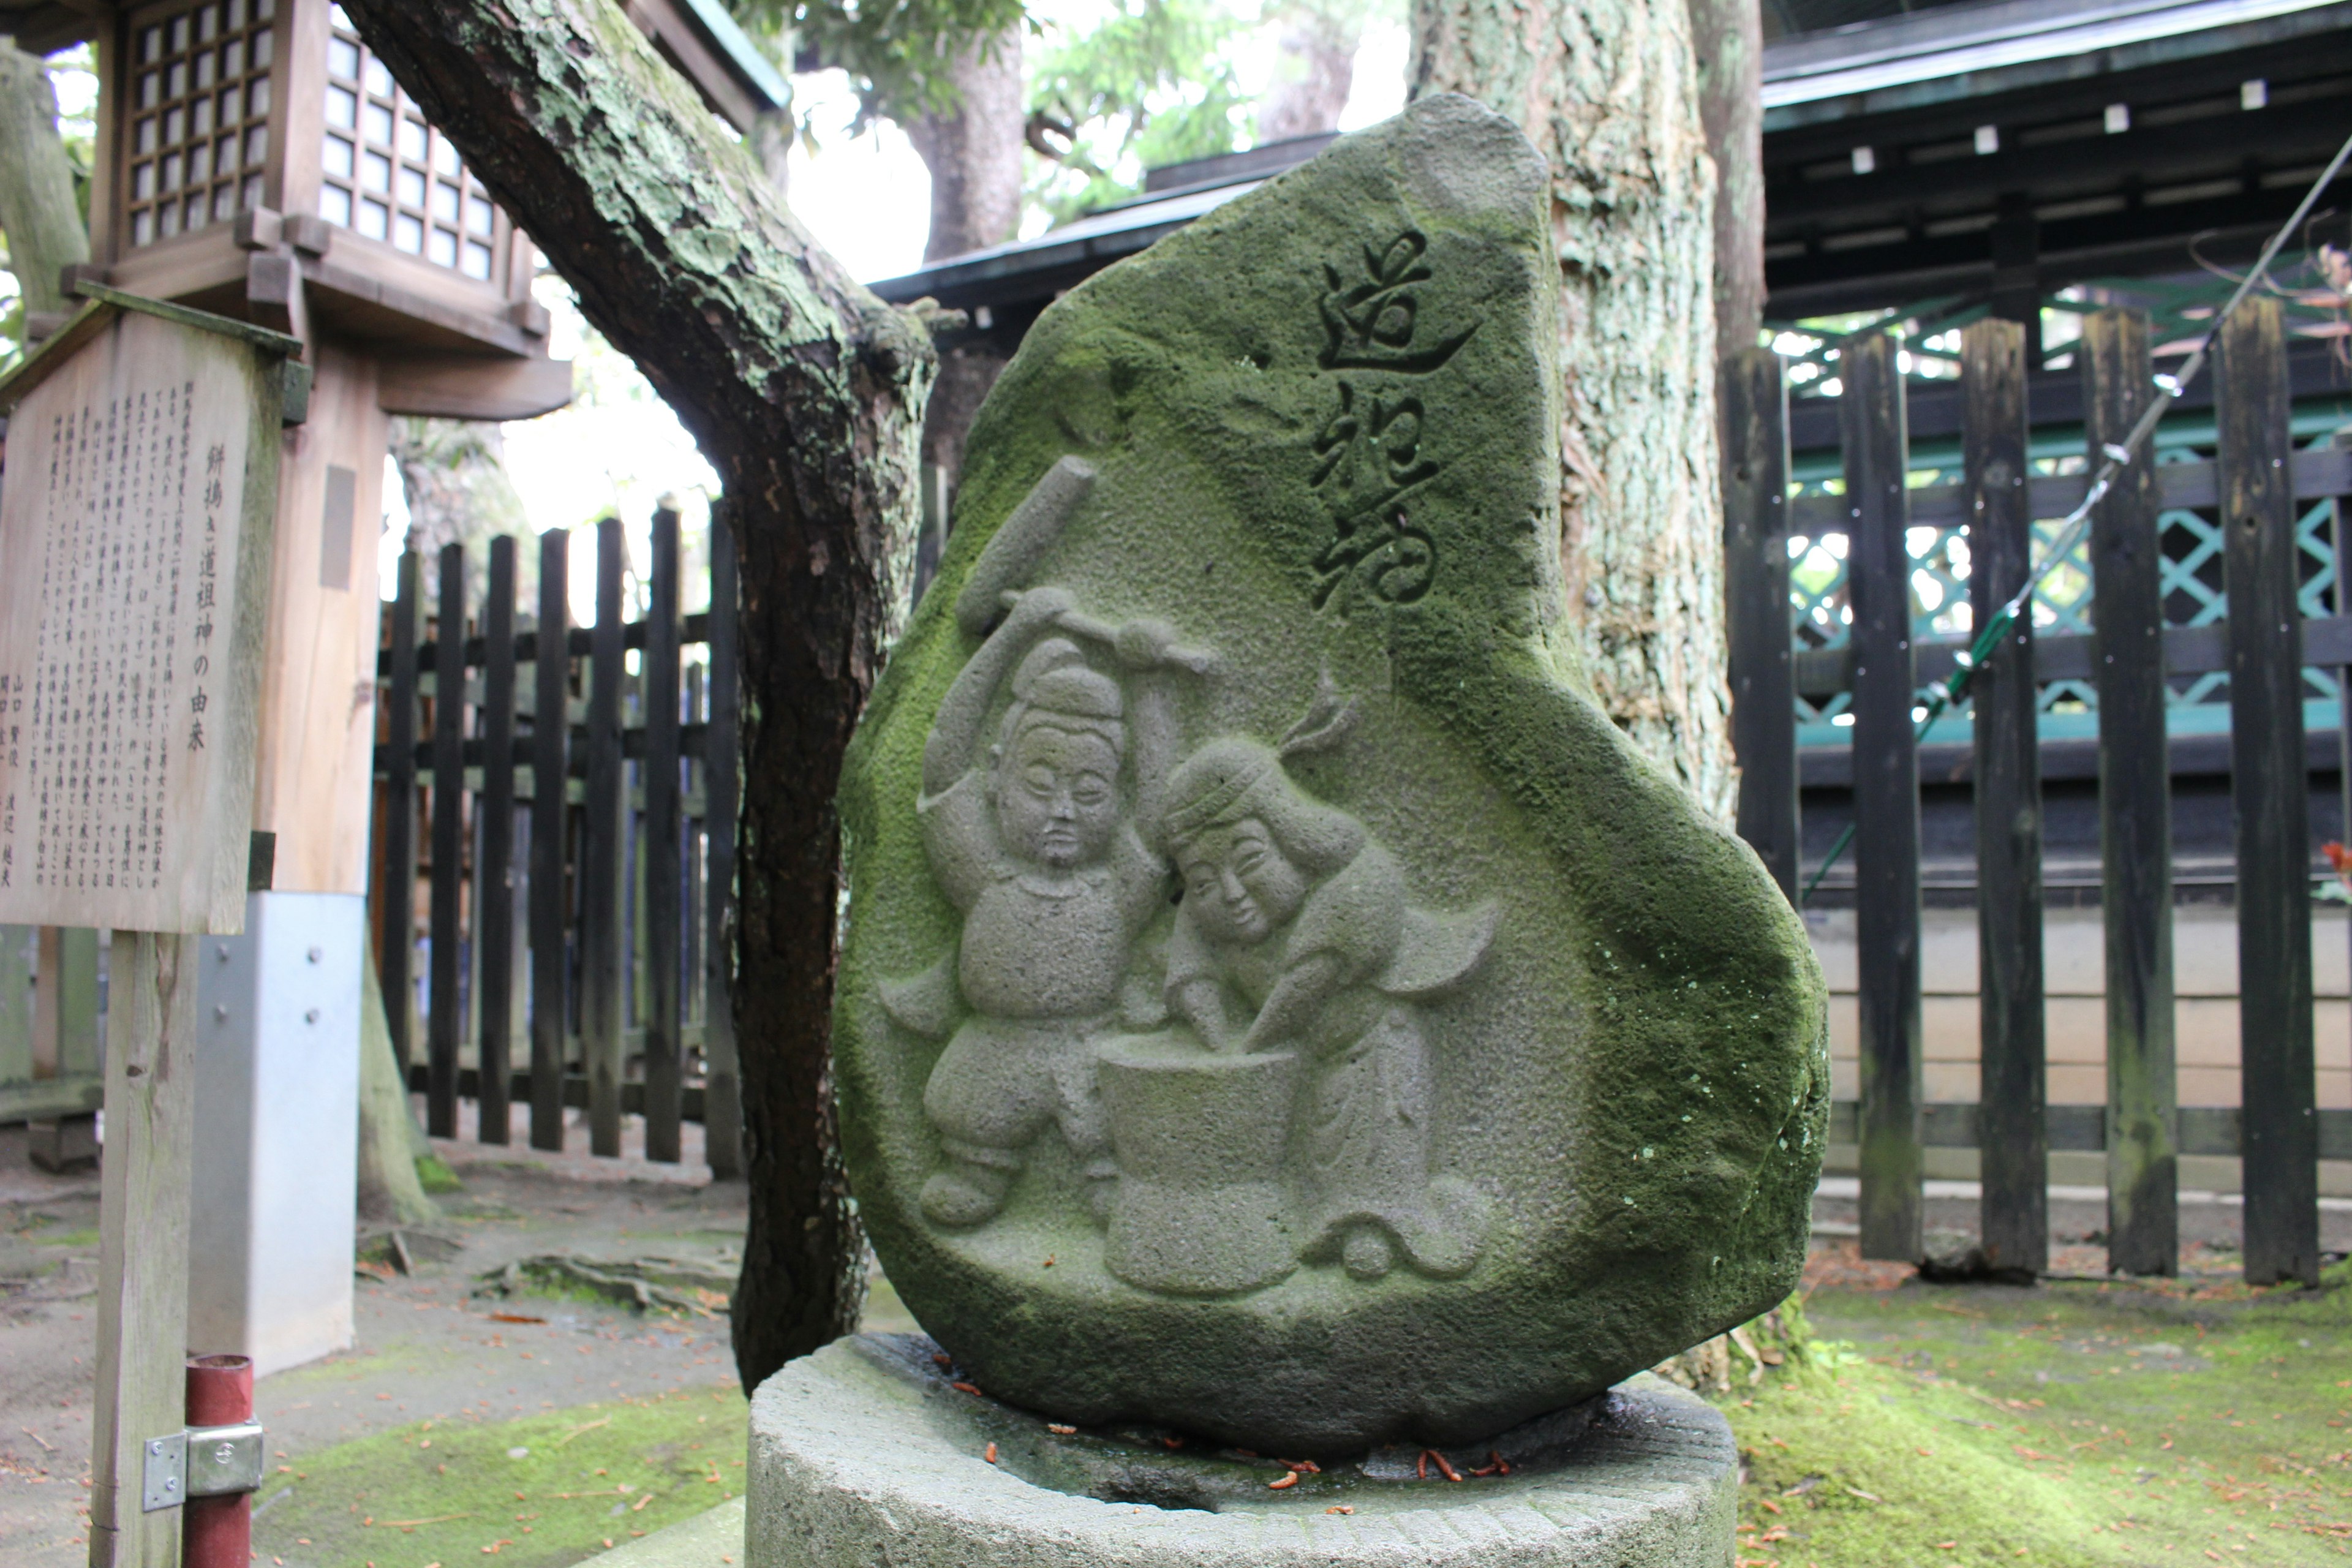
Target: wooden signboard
x=136 y=507
x=134 y=530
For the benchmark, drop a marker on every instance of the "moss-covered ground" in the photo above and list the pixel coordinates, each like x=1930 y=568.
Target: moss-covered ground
x=2073 y=1423
x=541 y=1492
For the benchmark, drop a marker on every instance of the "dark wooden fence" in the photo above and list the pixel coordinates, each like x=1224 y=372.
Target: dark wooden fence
x=572 y=835
x=2254 y=480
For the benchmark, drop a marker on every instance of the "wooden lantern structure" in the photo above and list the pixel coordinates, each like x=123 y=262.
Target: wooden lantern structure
x=255 y=161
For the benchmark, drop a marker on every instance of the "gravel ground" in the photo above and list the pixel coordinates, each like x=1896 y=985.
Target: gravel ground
x=426 y=1348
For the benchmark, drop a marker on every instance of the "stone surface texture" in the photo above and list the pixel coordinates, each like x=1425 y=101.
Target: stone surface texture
x=1275 y=1002
x=865 y=1452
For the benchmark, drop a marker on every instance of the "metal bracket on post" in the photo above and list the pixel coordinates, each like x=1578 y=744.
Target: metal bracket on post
x=200 y=1461
x=163 y=1473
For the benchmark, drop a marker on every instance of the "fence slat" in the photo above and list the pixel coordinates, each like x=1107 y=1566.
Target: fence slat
x=494 y=877
x=1755 y=414
x=550 y=768
x=446 y=1024
x=397 y=913
x=664 y=1015
x=604 y=896
x=2270 y=799
x=722 y=1101
x=2013 y=1082
x=1886 y=799
x=2134 y=811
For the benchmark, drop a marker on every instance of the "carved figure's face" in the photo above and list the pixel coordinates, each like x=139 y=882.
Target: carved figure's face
x=1239 y=885
x=1058 y=801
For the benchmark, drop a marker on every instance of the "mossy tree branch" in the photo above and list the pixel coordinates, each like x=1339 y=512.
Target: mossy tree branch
x=806 y=394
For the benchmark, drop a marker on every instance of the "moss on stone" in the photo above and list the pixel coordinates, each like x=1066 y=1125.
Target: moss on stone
x=1640 y=1078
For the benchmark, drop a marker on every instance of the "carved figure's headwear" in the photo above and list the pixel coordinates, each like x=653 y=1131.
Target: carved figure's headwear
x=1055 y=686
x=1226 y=780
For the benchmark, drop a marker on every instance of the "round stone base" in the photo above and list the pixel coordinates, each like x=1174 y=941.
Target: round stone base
x=869 y=1452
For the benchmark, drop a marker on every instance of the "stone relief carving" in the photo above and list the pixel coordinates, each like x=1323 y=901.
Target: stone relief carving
x=1247 y=1083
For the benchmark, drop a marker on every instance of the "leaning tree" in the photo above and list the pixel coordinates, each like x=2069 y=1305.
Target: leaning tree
x=806 y=394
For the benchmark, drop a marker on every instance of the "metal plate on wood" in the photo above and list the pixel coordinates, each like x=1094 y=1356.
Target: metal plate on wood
x=224 y=1460
x=163 y=1473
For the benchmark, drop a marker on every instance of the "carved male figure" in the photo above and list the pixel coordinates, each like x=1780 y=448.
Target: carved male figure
x=1293 y=932
x=1036 y=844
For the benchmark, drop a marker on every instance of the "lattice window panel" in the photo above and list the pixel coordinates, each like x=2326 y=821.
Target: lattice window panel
x=387 y=175
x=2191 y=579
x=199 y=131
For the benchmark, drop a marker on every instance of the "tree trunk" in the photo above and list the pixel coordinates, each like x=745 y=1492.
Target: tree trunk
x=1313 y=71
x=453 y=474
x=973 y=154
x=1728 y=38
x=806 y=393
x=388 y=1186
x=37 y=210
x=1605 y=91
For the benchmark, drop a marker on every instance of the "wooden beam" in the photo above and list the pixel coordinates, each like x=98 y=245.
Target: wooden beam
x=549 y=982
x=2008 y=800
x=1887 y=800
x=473 y=386
x=142 y=1284
x=2269 y=800
x=2134 y=811
x=602 y=893
x=664 y=1064
x=1754 y=412
x=494 y=877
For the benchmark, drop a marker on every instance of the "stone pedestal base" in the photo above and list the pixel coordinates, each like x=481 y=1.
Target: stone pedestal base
x=865 y=1453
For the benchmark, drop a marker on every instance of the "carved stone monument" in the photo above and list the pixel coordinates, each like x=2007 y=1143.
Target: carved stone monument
x=1277 y=1006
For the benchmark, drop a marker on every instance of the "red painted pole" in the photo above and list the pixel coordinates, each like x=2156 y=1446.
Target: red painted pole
x=217 y=1531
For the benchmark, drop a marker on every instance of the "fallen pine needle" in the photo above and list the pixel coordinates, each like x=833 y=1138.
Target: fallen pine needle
x=37 y=1438
x=603 y=1421
x=515 y=1318
x=412 y=1524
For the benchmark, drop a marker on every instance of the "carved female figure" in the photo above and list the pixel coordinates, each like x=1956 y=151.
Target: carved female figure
x=1293 y=933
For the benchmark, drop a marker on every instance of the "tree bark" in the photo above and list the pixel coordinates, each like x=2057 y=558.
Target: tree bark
x=37 y=210
x=973 y=154
x=388 y=1184
x=453 y=474
x=806 y=394
x=1605 y=90
x=1728 y=38
x=1313 y=71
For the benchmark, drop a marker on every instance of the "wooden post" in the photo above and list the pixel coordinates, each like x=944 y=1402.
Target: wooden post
x=2269 y=800
x=142 y=1291
x=550 y=733
x=446 y=1024
x=1755 y=417
x=722 y=1093
x=2012 y=1138
x=397 y=908
x=1886 y=797
x=2135 y=810
x=494 y=877
x=603 y=893
x=664 y=1015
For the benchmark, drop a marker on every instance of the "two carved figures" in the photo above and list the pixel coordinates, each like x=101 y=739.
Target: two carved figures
x=1203 y=978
